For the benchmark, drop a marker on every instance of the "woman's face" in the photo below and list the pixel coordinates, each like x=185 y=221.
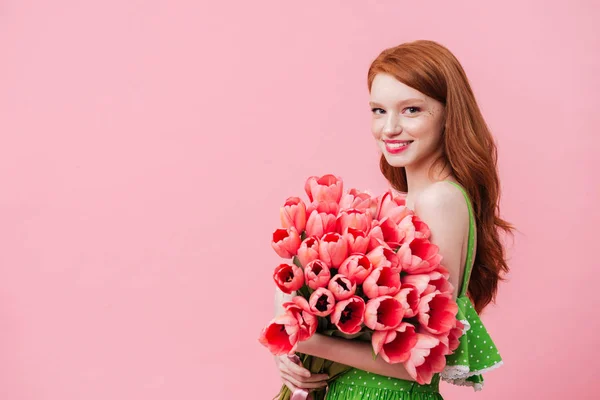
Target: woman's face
x=406 y=124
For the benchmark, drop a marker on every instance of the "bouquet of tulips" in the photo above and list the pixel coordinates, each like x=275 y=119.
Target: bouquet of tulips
x=362 y=268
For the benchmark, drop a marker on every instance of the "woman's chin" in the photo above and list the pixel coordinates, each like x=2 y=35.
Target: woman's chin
x=396 y=161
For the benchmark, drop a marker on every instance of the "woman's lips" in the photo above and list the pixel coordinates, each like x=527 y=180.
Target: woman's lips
x=396 y=146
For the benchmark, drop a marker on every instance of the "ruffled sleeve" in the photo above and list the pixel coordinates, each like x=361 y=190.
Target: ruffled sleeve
x=476 y=352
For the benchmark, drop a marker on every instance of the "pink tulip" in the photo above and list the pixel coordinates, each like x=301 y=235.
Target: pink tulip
x=357 y=200
x=307 y=322
x=280 y=336
x=395 y=345
x=438 y=280
x=414 y=228
x=288 y=278
x=437 y=312
x=327 y=207
x=428 y=290
x=419 y=353
x=286 y=242
x=428 y=357
x=321 y=302
x=308 y=250
x=341 y=287
x=418 y=281
x=382 y=313
x=373 y=206
x=321 y=218
x=430 y=282
x=357 y=241
x=355 y=219
x=302 y=303
x=348 y=315
x=419 y=256
x=421 y=228
x=293 y=213
x=452 y=338
x=382 y=281
x=317 y=274
x=356 y=267
x=383 y=256
x=375 y=237
x=390 y=231
x=326 y=188
x=333 y=249
x=392 y=207
x=409 y=297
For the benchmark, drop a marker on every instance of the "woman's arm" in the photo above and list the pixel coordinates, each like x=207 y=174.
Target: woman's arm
x=349 y=352
x=355 y=353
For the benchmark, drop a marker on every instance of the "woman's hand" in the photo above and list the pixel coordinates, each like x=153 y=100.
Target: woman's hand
x=296 y=376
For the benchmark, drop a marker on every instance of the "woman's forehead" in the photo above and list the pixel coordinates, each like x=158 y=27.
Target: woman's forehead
x=386 y=88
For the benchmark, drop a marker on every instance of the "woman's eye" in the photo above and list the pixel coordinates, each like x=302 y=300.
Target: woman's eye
x=416 y=109
x=375 y=110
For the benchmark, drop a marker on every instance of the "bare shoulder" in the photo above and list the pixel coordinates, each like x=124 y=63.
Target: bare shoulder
x=443 y=202
x=442 y=206
x=442 y=195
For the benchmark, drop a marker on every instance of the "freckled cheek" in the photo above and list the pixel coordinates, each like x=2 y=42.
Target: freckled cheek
x=415 y=128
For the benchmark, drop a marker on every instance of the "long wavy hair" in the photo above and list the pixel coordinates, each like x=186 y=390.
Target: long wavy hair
x=468 y=149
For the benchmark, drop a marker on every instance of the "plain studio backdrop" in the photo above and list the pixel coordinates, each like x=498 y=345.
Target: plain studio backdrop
x=146 y=147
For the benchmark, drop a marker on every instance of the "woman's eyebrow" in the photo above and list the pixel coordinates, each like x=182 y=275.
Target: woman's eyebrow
x=412 y=100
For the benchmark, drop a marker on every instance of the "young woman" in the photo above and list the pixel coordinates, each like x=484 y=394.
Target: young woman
x=437 y=149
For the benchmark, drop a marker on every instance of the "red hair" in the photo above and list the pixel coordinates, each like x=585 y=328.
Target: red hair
x=468 y=149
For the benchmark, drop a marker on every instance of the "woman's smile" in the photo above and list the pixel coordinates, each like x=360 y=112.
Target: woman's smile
x=396 y=146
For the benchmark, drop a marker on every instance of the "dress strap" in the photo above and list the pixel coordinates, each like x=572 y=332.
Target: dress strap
x=470 y=249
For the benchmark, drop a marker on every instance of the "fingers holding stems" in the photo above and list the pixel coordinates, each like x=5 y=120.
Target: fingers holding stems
x=296 y=376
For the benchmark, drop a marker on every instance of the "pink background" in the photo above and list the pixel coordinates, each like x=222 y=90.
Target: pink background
x=146 y=147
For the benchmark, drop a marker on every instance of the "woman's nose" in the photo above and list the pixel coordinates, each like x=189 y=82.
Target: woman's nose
x=392 y=125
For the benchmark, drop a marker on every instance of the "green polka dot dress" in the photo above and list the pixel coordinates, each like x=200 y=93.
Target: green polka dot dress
x=358 y=384
x=475 y=355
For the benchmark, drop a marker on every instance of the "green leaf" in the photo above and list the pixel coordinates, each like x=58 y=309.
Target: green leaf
x=304 y=291
x=303 y=235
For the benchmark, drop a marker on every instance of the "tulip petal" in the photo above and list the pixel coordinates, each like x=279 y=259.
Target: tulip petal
x=280 y=335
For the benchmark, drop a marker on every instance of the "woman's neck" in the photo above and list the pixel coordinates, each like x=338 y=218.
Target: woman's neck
x=418 y=178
